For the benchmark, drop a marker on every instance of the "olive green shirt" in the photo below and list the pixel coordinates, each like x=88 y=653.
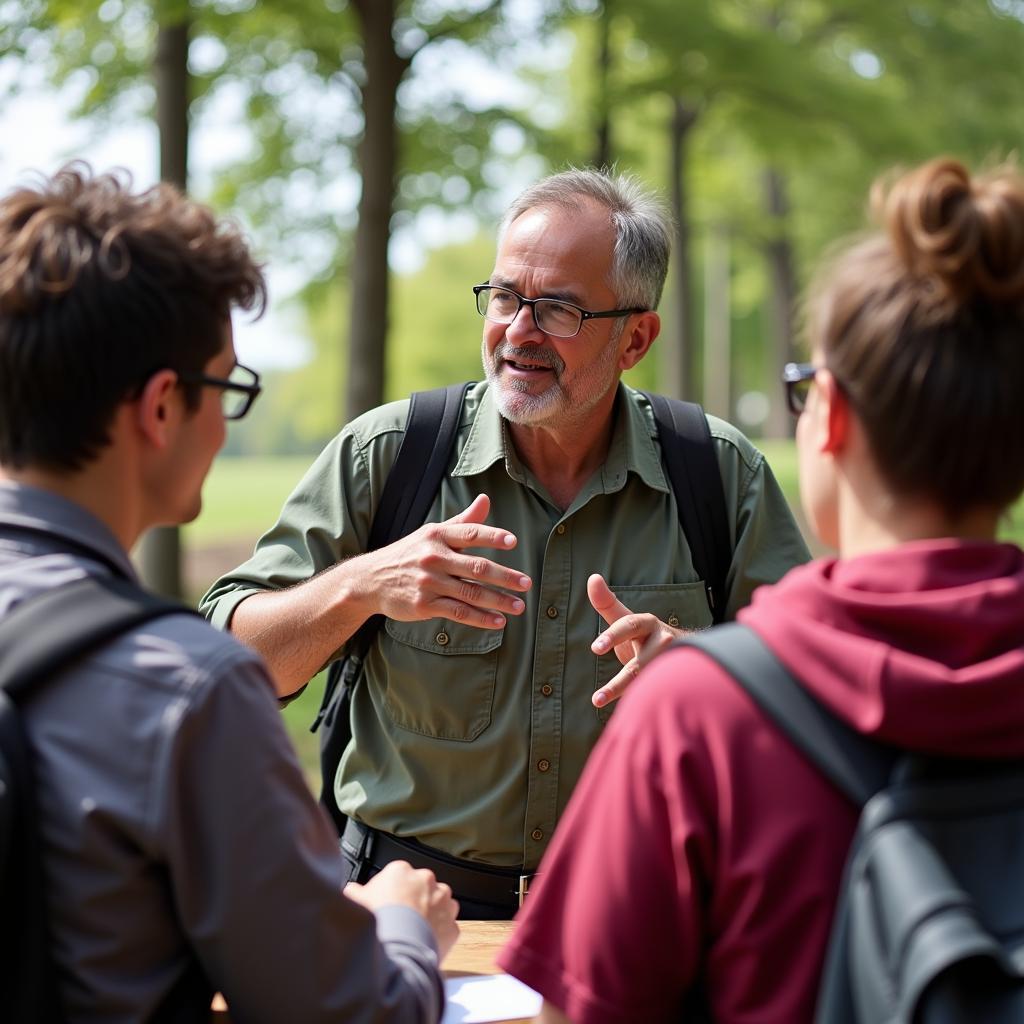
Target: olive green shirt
x=471 y=740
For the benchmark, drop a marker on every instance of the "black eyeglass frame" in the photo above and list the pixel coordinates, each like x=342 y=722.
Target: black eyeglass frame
x=251 y=391
x=794 y=374
x=585 y=314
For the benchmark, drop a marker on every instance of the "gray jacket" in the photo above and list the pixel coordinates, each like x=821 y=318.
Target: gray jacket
x=183 y=849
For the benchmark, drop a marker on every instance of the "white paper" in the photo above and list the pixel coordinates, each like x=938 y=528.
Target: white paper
x=478 y=998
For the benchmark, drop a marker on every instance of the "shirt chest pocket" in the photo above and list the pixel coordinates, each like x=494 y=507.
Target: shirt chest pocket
x=682 y=605
x=440 y=677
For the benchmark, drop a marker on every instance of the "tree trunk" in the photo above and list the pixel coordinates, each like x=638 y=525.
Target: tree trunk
x=378 y=158
x=159 y=552
x=782 y=300
x=717 y=324
x=603 y=130
x=678 y=352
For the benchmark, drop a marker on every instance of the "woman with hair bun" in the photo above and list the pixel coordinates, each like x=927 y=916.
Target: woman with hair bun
x=701 y=852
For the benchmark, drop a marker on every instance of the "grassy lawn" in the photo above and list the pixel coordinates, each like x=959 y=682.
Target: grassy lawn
x=242 y=497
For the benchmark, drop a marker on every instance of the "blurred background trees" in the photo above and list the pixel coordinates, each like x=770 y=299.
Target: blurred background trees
x=371 y=144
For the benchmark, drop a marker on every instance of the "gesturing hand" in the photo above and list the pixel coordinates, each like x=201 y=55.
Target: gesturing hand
x=428 y=575
x=636 y=636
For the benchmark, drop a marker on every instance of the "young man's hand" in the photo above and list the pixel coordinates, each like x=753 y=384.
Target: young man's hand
x=400 y=883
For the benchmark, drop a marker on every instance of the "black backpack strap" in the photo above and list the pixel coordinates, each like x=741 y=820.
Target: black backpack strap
x=858 y=766
x=414 y=480
x=38 y=638
x=689 y=455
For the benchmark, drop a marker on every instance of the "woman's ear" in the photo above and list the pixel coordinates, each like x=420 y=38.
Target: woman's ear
x=157 y=406
x=835 y=409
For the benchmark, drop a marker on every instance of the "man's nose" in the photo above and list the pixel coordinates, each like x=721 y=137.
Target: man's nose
x=523 y=328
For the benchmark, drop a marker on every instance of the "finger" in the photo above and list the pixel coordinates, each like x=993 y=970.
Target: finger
x=475 y=512
x=626 y=629
x=474 y=535
x=616 y=686
x=605 y=603
x=466 y=614
x=487 y=573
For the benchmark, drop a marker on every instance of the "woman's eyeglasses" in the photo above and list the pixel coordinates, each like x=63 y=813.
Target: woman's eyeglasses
x=798 y=378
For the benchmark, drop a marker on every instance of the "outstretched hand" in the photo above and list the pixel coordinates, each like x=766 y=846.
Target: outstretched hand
x=635 y=636
x=428 y=575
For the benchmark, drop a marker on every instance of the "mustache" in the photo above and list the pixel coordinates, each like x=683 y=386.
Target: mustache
x=529 y=355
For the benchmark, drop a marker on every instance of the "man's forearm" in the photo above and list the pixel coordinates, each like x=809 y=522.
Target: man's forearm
x=298 y=629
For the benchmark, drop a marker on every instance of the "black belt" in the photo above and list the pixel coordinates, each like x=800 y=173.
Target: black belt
x=500 y=887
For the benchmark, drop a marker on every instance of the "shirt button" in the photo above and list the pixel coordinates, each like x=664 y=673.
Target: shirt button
x=673 y=621
x=543 y=764
x=537 y=835
x=442 y=638
x=552 y=612
x=560 y=529
x=547 y=690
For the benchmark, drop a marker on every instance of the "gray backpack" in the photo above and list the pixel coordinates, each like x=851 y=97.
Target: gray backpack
x=38 y=640
x=929 y=927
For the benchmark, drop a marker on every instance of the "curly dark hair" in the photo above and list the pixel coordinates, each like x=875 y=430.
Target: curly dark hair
x=101 y=287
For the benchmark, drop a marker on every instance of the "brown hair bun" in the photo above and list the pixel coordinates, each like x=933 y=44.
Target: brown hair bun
x=964 y=234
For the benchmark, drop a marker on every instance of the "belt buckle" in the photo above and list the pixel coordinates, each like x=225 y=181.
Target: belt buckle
x=524 y=888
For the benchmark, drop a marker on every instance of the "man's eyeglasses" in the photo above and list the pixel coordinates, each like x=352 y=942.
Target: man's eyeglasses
x=238 y=391
x=553 y=316
x=798 y=378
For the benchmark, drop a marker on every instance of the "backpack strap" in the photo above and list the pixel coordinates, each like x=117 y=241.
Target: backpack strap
x=858 y=766
x=38 y=638
x=46 y=631
x=689 y=454
x=412 y=484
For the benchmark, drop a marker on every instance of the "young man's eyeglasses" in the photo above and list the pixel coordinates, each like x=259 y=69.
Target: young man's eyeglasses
x=798 y=378
x=553 y=316
x=238 y=391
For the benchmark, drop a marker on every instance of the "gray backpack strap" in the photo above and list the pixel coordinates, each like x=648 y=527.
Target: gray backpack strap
x=689 y=455
x=858 y=766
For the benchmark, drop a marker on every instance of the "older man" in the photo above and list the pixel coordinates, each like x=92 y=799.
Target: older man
x=477 y=706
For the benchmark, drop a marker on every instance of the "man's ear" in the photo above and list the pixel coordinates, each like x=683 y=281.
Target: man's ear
x=639 y=336
x=835 y=413
x=158 y=407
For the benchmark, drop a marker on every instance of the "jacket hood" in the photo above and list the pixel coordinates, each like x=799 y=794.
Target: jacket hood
x=921 y=646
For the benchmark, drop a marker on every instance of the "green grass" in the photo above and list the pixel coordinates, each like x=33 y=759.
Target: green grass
x=242 y=497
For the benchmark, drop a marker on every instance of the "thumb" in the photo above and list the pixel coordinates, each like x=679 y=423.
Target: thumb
x=475 y=512
x=605 y=603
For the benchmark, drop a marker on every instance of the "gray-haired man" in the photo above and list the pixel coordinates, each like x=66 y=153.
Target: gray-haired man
x=478 y=703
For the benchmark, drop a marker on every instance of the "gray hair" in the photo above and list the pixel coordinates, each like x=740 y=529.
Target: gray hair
x=643 y=233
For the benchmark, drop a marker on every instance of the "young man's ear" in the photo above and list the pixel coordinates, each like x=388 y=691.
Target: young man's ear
x=157 y=407
x=639 y=334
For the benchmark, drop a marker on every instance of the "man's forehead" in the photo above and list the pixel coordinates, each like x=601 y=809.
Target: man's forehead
x=563 y=246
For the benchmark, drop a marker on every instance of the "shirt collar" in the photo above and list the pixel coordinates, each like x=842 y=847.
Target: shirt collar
x=42 y=511
x=632 y=448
